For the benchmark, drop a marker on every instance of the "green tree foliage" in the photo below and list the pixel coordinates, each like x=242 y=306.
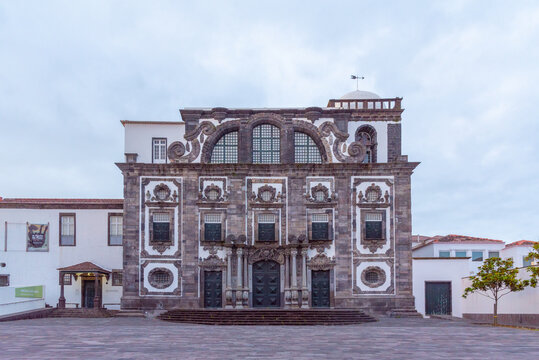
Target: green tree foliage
x=534 y=270
x=495 y=279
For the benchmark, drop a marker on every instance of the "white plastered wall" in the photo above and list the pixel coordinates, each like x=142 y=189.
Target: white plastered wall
x=381 y=136
x=40 y=268
x=138 y=138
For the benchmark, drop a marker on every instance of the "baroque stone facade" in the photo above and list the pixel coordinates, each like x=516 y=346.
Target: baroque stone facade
x=286 y=208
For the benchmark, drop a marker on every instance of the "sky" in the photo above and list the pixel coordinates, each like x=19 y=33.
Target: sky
x=467 y=70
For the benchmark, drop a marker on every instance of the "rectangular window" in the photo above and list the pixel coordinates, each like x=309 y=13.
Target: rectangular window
x=320 y=227
x=445 y=254
x=212 y=227
x=492 y=254
x=4 y=280
x=526 y=262
x=117 y=277
x=266 y=227
x=477 y=256
x=67 y=230
x=373 y=226
x=161 y=227
x=115 y=229
x=159 y=150
x=67 y=279
x=460 y=254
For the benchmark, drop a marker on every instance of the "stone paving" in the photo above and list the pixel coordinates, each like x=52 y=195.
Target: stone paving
x=140 y=338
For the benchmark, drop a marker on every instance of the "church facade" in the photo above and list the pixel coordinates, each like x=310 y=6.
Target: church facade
x=269 y=208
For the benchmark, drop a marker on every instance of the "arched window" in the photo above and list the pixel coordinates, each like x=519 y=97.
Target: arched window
x=266 y=144
x=366 y=135
x=225 y=150
x=305 y=149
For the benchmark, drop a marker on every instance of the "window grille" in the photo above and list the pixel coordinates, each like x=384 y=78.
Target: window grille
x=212 y=218
x=159 y=150
x=371 y=277
x=319 y=196
x=213 y=195
x=225 y=150
x=320 y=218
x=161 y=277
x=266 y=218
x=266 y=195
x=305 y=149
x=373 y=217
x=372 y=195
x=266 y=144
x=161 y=217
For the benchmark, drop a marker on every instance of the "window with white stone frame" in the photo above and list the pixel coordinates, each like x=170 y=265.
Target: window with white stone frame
x=212 y=227
x=161 y=227
x=320 y=227
x=266 y=227
x=159 y=150
x=374 y=226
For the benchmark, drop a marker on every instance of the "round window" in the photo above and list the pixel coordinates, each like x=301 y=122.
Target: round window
x=160 y=278
x=371 y=277
x=213 y=195
x=162 y=194
x=266 y=195
x=319 y=196
x=372 y=195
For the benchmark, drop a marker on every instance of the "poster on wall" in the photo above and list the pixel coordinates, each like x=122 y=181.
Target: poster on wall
x=37 y=238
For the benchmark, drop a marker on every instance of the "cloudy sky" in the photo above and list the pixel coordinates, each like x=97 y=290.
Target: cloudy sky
x=468 y=72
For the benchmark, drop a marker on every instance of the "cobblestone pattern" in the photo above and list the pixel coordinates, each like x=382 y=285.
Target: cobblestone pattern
x=135 y=338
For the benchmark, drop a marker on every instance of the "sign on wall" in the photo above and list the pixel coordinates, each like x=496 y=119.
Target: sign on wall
x=37 y=237
x=29 y=292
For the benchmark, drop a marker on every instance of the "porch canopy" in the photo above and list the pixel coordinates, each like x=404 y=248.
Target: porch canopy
x=85 y=268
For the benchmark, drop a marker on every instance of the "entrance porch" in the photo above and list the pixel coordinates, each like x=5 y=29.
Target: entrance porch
x=91 y=276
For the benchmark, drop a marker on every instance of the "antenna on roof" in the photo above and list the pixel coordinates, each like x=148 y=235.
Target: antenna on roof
x=357 y=78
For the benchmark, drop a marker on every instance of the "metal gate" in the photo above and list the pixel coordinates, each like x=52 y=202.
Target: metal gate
x=213 y=285
x=320 y=289
x=438 y=298
x=266 y=284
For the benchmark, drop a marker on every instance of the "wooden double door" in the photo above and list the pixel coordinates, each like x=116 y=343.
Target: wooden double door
x=266 y=284
x=438 y=298
x=320 y=289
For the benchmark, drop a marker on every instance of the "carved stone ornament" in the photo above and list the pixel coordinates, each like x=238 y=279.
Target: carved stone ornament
x=276 y=255
x=263 y=192
x=161 y=247
x=175 y=151
x=321 y=262
x=161 y=193
x=312 y=197
x=153 y=278
x=373 y=194
x=380 y=276
x=356 y=150
x=207 y=193
x=373 y=244
x=212 y=262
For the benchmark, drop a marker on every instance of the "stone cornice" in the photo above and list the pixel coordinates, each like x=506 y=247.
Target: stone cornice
x=348 y=169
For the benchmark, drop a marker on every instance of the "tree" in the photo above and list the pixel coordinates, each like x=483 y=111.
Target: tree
x=495 y=279
x=534 y=270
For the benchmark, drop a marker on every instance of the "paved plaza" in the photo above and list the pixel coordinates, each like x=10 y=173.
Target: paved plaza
x=140 y=338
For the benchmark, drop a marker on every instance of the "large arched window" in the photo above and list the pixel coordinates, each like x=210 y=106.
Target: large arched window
x=305 y=149
x=366 y=135
x=266 y=144
x=225 y=150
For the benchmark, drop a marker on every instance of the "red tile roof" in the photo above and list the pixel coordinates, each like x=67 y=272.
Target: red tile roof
x=85 y=267
x=457 y=239
x=55 y=203
x=528 y=243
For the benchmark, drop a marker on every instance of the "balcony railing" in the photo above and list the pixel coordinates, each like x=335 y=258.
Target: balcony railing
x=367 y=104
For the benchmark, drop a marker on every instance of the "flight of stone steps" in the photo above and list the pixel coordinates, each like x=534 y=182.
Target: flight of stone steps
x=267 y=317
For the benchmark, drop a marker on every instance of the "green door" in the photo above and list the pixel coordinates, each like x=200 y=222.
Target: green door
x=438 y=298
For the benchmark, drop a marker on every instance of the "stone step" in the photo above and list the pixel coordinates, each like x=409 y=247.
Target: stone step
x=405 y=313
x=130 y=313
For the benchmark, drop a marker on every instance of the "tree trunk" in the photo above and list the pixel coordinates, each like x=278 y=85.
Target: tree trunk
x=495 y=312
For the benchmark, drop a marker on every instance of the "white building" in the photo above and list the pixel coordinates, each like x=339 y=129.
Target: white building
x=41 y=236
x=441 y=269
